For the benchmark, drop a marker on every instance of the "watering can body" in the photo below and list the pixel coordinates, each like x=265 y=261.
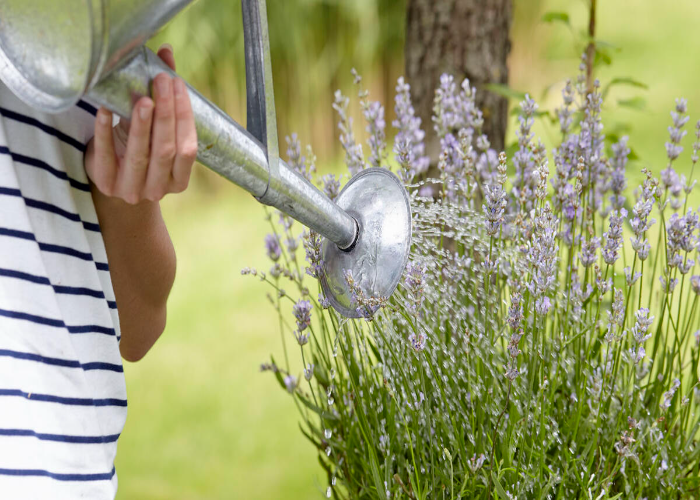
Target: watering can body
x=52 y=53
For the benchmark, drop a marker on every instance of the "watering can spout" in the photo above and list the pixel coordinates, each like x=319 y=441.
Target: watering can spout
x=95 y=48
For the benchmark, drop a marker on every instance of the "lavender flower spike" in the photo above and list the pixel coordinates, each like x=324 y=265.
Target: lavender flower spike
x=272 y=247
x=613 y=238
x=302 y=313
x=409 y=135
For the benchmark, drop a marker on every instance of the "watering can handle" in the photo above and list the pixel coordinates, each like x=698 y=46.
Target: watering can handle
x=260 y=96
x=230 y=150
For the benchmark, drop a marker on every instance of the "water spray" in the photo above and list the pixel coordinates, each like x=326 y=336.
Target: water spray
x=52 y=54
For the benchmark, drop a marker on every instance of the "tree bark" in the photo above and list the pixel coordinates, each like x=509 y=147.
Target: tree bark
x=468 y=39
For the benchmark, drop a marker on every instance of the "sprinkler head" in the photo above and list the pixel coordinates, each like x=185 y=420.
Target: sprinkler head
x=378 y=202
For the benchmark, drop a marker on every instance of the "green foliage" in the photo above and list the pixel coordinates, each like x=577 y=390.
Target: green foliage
x=511 y=360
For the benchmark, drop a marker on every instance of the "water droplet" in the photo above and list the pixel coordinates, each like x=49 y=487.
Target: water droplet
x=328 y=433
x=333 y=481
x=331 y=401
x=328 y=451
x=328 y=492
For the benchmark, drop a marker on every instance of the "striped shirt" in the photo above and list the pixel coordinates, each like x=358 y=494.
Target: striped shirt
x=62 y=390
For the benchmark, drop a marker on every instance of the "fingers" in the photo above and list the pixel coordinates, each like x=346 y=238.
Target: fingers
x=135 y=165
x=101 y=162
x=165 y=52
x=161 y=145
x=186 y=138
x=163 y=140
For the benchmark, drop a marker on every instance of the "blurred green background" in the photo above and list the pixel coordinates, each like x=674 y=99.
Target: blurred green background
x=203 y=422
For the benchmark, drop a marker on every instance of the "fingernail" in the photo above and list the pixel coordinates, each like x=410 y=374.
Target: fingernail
x=103 y=117
x=163 y=85
x=167 y=46
x=145 y=111
x=179 y=87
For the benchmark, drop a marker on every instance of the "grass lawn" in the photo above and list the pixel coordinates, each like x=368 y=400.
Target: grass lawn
x=203 y=422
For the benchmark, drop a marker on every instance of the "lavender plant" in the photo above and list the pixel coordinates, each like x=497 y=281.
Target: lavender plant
x=539 y=345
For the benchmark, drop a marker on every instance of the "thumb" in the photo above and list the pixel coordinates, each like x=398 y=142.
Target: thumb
x=165 y=52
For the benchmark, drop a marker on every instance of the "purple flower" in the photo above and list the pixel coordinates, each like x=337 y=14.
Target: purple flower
x=331 y=186
x=290 y=382
x=272 y=247
x=408 y=145
x=302 y=313
x=425 y=192
x=417 y=341
x=415 y=283
x=543 y=255
x=323 y=301
x=523 y=159
x=494 y=208
x=613 y=238
x=354 y=158
x=303 y=165
x=695 y=284
x=642 y=324
x=676 y=132
x=589 y=248
x=618 y=181
x=312 y=246
x=616 y=315
x=565 y=112
x=515 y=311
x=543 y=305
x=374 y=115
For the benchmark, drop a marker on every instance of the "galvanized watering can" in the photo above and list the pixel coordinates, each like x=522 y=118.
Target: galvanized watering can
x=53 y=52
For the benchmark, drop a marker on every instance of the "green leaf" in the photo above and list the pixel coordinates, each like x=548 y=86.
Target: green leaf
x=325 y=415
x=505 y=91
x=602 y=56
x=278 y=375
x=636 y=103
x=499 y=487
x=551 y=17
x=624 y=81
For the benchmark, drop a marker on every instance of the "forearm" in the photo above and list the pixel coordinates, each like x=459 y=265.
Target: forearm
x=142 y=267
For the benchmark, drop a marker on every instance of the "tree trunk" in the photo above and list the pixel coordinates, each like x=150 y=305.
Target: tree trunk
x=468 y=39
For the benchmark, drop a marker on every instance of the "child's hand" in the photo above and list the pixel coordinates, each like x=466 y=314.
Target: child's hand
x=152 y=154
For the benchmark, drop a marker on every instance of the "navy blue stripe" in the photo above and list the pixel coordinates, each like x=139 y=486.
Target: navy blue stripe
x=13 y=115
x=10 y=273
x=50 y=247
x=91 y=226
x=99 y=365
x=57 y=323
x=58 y=477
x=61 y=438
x=67 y=290
x=33 y=162
x=91 y=329
x=87 y=107
x=66 y=363
x=17 y=234
x=10 y=191
x=40 y=320
x=49 y=398
x=48 y=207
x=78 y=290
